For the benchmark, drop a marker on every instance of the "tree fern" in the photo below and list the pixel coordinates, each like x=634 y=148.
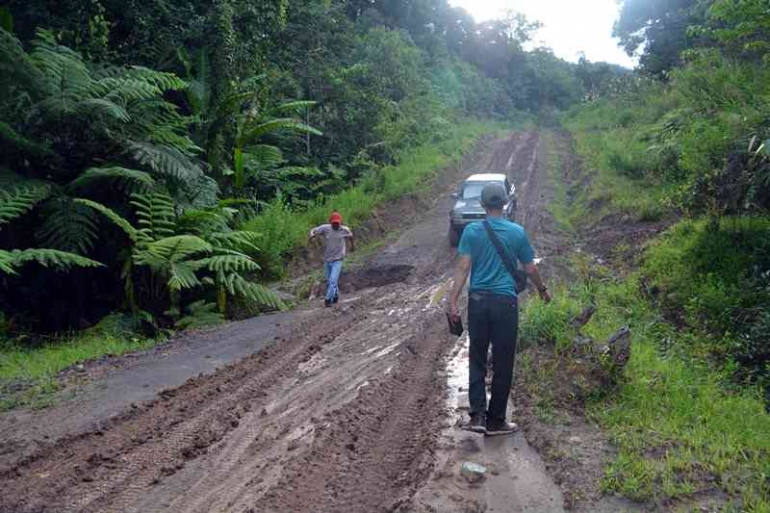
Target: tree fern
x=124 y=179
x=19 y=201
x=68 y=225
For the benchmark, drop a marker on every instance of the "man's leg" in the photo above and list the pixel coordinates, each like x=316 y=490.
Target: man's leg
x=504 y=321
x=478 y=333
x=333 y=276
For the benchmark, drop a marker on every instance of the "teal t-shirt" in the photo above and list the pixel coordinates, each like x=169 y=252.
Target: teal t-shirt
x=488 y=273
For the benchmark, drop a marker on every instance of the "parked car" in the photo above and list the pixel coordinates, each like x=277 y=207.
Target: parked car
x=467 y=207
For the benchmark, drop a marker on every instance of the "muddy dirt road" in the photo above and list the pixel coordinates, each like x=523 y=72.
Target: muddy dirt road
x=346 y=411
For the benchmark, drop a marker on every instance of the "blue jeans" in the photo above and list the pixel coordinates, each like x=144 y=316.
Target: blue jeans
x=332 y=271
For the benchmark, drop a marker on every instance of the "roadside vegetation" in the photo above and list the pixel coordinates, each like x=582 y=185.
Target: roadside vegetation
x=684 y=145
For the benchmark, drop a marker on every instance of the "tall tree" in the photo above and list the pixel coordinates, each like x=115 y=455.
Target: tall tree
x=660 y=28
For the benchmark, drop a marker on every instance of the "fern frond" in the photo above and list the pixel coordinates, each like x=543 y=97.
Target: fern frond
x=135 y=235
x=205 y=222
x=176 y=248
x=10 y=138
x=67 y=225
x=253 y=133
x=230 y=263
x=7 y=262
x=60 y=260
x=260 y=294
x=296 y=108
x=200 y=314
x=64 y=75
x=123 y=90
x=157 y=121
x=101 y=107
x=262 y=156
x=19 y=201
x=236 y=240
x=165 y=162
x=162 y=80
x=128 y=180
x=170 y=257
x=156 y=214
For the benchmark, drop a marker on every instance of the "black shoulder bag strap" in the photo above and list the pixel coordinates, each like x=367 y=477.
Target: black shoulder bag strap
x=519 y=278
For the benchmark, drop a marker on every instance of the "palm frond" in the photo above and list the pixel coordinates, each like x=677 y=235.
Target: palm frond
x=19 y=201
x=68 y=225
x=128 y=180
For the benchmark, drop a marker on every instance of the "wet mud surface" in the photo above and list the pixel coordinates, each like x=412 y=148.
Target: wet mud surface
x=344 y=409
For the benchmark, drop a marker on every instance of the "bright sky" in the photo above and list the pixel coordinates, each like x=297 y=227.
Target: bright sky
x=569 y=26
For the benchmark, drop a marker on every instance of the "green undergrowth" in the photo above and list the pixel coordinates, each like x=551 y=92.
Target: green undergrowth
x=679 y=428
x=283 y=229
x=615 y=166
x=28 y=372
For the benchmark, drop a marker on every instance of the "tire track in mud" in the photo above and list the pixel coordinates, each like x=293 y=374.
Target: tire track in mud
x=343 y=414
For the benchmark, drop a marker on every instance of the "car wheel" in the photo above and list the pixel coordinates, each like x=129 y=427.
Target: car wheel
x=454 y=235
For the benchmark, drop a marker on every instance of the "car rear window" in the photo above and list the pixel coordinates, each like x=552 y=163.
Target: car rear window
x=472 y=190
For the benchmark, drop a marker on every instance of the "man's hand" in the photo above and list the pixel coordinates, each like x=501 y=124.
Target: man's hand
x=461 y=275
x=545 y=295
x=454 y=311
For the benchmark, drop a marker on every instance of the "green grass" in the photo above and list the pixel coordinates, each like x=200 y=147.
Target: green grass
x=28 y=375
x=283 y=229
x=619 y=167
x=680 y=422
x=677 y=427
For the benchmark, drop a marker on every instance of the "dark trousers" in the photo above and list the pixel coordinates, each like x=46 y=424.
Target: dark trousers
x=491 y=319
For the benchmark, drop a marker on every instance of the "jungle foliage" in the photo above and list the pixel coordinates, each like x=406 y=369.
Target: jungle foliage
x=143 y=141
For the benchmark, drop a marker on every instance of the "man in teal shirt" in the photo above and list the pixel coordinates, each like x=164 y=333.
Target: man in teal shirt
x=493 y=315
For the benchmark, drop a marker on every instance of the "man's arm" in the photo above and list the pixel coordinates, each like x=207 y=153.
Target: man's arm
x=534 y=275
x=352 y=242
x=461 y=276
x=314 y=233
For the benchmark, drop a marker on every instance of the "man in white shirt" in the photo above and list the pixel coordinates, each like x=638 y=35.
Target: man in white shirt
x=334 y=236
